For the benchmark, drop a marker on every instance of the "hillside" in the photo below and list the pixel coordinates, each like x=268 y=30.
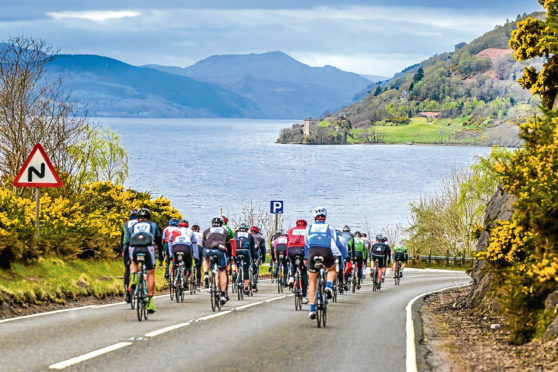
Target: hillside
x=113 y=88
x=280 y=86
x=469 y=95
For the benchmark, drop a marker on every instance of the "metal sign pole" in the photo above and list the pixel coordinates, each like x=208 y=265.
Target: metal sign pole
x=38 y=202
x=275 y=222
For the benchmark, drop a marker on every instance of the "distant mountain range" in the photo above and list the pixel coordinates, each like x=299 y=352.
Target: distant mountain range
x=268 y=85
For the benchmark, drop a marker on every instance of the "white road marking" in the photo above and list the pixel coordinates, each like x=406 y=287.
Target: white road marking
x=166 y=329
x=249 y=305
x=214 y=315
x=93 y=354
x=47 y=313
x=411 y=356
x=276 y=298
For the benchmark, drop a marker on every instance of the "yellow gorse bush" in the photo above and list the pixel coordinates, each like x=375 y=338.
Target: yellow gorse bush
x=87 y=225
x=508 y=244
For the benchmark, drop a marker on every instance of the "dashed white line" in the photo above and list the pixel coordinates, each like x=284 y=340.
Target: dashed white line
x=276 y=298
x=93 y=354
x=249 y=305
x=214 y=315
x=166 y=329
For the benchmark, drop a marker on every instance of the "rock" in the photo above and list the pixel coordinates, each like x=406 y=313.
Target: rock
x=500 y=207
x=552 y=330
x=551 y=302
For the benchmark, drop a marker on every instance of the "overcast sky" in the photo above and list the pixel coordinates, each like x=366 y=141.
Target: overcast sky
x=370 y=37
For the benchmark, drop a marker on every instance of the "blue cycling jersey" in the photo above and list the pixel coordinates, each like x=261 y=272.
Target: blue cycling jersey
x=322 y=235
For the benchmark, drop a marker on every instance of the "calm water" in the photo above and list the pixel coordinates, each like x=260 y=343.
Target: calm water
x=206 y=164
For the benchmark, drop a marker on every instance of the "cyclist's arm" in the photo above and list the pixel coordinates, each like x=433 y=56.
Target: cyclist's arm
x=262 y=250
x=158 y=241
x=195 y=249
x=339 y=244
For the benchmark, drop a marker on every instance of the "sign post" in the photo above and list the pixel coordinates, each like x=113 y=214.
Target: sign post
x=37 y=172
x=276 y=208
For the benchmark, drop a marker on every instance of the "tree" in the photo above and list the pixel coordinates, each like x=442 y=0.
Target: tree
x=419 y=75
x=33 y=109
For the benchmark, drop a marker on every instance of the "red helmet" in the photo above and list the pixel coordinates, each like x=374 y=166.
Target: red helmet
x=183 y=223
x=254 y=229
x=225 y=219
x=301 y=223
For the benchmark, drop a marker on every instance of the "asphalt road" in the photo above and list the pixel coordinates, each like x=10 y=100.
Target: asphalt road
x=365 y=331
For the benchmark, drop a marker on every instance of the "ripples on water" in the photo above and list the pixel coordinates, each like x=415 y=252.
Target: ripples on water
x=203 y=165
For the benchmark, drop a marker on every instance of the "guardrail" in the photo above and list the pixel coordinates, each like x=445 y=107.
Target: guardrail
x=446 y=259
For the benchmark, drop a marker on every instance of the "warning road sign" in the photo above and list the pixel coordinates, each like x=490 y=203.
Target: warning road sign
x=37 y=171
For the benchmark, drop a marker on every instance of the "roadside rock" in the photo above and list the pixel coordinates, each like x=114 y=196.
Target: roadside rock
x=500 y=207
x=551 y=304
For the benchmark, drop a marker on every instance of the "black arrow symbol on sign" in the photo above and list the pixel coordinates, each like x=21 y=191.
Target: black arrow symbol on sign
x=32 y=170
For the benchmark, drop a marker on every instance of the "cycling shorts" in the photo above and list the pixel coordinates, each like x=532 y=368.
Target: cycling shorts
x=149 y=253
x=221 y=257
x=400 y=256
x=281 y=249
x=326 y=253
x=296 y=251
x=381 y=260
x=186 y=249
x=246 y=260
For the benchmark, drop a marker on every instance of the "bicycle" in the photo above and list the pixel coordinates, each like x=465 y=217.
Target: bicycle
x=193 y=280
x=140 y=292
x=172 y=290
x=280 y=273
x=355 y=280
x=214 y=288
x=297 y=286
x=240 y=277
x=321 y=297
x=271 y=271
x=178 y=282
x=254 y=276
x=376 y=284
x=397 y=272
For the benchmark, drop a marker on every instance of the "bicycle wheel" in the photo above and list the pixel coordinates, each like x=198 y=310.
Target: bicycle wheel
x=133 y=300
x=140 y=298
x=239 y=282
x=212 y=290
x=319 y=306
x=324 y=315
x=193 y=283
x=353 y=282
x=251 y=281
x=171 y=285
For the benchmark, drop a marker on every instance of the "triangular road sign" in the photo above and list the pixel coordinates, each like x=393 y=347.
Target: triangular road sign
x=37 y=171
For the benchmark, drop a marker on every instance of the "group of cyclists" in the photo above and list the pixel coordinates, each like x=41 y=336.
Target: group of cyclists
x=300 y=248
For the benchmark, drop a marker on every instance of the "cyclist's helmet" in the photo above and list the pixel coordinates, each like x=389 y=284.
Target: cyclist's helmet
x=225 y=220
x=173 y=222
x=243 y=227
x=346 y=228
x=364 y=235
x=183 y=223
x=254 y=229
x=217 y=221
x=384 y=239
x=144 y=213
x=320 y=213
x=379 y=237
x=358 y=234
x=196 y=228
x=133 y=213
x=301 y=223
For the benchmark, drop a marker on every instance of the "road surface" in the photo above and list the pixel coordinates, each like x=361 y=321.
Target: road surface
x=365 y=331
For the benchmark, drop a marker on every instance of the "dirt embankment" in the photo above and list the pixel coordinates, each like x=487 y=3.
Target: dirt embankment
x=459 y=338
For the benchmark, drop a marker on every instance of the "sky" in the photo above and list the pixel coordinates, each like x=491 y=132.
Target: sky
x=379 y=37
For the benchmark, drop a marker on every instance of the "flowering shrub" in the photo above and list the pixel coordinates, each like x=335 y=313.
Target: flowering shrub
x=508 y=244
x=86 y=225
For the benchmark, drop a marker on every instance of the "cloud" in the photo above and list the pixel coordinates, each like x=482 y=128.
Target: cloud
x=94 y=15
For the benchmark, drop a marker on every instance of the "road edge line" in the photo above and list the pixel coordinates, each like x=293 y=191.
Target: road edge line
x=90 y=355
x=47 y=313
x=411 y=351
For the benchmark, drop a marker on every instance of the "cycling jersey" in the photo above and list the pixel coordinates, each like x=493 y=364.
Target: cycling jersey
x=360 y=246
x=280 y=245
x=295 y=237
x=184 y=236
x=349 y=239
x=322 y=235
x=381 y=251
x=259 y=245
x=216 y=237
x=125 y=229
x=245 y=241
x=142 y=236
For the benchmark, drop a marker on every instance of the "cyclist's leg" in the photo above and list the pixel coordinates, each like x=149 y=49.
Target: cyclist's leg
x=133 y=268
x=167 y=258
x=304 y=274
x=359 y=264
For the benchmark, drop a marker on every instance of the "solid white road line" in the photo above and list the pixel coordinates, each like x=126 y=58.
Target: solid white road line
x=166 y=329
x=411 y=356
x=47 y=313
x=93 y=354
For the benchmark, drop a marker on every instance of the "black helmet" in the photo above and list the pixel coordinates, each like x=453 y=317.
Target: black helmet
x=379 y=237
x=384 y=239
x=133 y=213
x=346 y=228
x=217 y=221
x=358 y=234
x=196 y=228
x=243 y=227
x=144 y=213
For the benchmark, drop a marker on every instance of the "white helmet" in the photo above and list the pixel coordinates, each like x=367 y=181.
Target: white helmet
x=319 y=211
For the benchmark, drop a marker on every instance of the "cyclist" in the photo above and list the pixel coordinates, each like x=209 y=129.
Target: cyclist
x=259 y=243
x=399 y=254
x=198 y=262
x=173 y=226
x=360 y=254
x=273 y=237
x=295 y=247
x=280 y=248
x=183 y=240
x=141 y=238
x=341 y=266
x=226 y=226
x=382 y=252
x=216 y=241
x=348 y=236
x=321 y=240
x=245 y=246
x=125 y=254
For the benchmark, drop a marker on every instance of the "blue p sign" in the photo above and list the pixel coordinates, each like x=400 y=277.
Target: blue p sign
x=276 y=206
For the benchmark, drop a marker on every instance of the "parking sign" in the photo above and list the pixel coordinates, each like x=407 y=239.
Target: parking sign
x=276 y=207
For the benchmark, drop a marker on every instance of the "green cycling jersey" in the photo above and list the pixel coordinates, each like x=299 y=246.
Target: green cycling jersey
x=360 y=245
x=400 y=248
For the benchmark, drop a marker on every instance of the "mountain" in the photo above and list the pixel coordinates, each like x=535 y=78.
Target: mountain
x=469 y=95
x=375 y=78
x=113 y=88
x=278 y=84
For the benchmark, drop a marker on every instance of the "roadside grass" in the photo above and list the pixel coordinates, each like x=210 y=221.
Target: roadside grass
x=53 y=280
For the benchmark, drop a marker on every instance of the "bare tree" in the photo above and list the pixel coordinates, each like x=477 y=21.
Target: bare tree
x=34 y=108
x=258 y=215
